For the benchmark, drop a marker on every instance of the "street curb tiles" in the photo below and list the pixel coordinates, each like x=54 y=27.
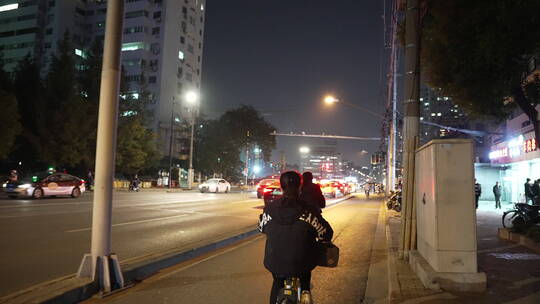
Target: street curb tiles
x=521 y=239
x=70 y=289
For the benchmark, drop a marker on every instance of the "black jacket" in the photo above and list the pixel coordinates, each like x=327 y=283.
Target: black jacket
x=497 y=190
x=528 y=190
x=312 y=194
x=292 y=228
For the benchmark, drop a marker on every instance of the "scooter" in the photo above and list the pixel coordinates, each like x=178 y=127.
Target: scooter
x=134 y=186
x=394 y=201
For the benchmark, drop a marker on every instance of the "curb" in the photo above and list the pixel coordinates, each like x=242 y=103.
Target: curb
x=521 y=239
x=377 y=289
x=70 y=289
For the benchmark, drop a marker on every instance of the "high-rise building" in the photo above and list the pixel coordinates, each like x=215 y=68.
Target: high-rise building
x=323 y=161
x=437 y=110
x=161 y=50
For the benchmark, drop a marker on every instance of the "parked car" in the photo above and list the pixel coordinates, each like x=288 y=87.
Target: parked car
x=215 y=185
x=263 y=184
x=272 y=193
x=57 y=184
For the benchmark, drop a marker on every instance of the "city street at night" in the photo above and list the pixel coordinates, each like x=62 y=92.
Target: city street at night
x=46 y=239
x=237 y=275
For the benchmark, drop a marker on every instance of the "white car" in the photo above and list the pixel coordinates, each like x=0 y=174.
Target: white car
x=215 y=185
x=57 y=184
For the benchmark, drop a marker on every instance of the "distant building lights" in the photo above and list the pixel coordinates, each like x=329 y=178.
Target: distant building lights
x=439 y=114
x=78 y=52
x=181 y=55
x=9 y=7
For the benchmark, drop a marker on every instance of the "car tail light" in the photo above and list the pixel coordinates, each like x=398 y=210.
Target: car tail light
x=267 y=190
x=81 y=182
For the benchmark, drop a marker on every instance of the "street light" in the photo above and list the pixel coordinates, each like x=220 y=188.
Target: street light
x=329 y=99
x=191 y=98
x=304 y=150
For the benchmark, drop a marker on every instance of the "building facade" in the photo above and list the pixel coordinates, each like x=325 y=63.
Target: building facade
x=161 y=49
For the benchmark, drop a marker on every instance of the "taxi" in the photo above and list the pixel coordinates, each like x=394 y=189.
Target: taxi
x=57 y=184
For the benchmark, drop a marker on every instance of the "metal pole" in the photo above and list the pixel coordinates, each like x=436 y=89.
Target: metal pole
x=171 y=145
x=101 y=264
x=411 y=119
x=190 y=172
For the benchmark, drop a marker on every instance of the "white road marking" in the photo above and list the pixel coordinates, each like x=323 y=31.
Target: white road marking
x=134 y=222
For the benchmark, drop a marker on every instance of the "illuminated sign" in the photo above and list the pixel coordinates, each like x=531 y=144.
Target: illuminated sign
x=529 y=145
x=514 y=148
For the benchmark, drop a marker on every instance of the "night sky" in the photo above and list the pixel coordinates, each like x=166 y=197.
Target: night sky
x=282 y=56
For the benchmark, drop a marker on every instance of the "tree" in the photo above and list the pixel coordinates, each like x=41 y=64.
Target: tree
x=64 y=128
x=11 y=127
x=220 y=143
x=477 y=52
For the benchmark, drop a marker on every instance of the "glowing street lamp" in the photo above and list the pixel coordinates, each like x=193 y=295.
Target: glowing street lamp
x=329 y=99
x=304 y=150
x=191 y=97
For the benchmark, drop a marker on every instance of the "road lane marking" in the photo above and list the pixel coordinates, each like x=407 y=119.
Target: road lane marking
x=134 y=222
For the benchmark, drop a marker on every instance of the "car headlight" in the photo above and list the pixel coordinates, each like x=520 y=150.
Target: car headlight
x=4 y=185
x=25 y=186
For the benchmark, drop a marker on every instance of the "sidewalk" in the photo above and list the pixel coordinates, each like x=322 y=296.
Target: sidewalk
x=513 y=271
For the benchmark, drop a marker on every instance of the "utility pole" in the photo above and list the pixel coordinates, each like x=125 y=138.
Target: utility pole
x=171 y=135
x=392 y=96
x=190 y=171
x=246 y=169
x=411 y=122
x=101 y=264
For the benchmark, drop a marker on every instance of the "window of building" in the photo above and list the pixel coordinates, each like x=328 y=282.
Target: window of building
x=48 y=31
x=133 y=46
x=157 y=15
x=182 y=39
x=184 y=10
x=101 y=11
x=181 y=55
x=100 y=24
x=134 y=29
x=179 y=72
x=136 y=14
x=190 y=48
x=9 y=7
x=189 y=77
x=152 y=79
x=155 y=31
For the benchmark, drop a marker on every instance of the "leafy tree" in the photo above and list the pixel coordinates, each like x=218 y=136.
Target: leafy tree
x=220 y=143
x=29 y=92
x=64 y=127
x=11 y=127
x=136 y=146
x=477 y=52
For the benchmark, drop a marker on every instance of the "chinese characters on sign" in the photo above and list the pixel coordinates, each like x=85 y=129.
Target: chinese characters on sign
x=514 y=148
x=529 y=145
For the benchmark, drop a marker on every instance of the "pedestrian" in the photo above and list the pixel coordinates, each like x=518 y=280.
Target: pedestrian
x=497 y=192
x=90 y=180
x=292 y=228
x=311 y=193
x=528 y=191
x=477 y=191
x=367 y=189
x=535 y=189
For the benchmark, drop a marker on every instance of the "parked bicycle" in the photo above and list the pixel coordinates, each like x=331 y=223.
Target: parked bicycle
x=522 y=216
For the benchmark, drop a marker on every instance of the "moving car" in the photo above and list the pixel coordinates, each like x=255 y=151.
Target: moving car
x=215 y=185
x=58 y=184
x=332 y=189
x=263 y=184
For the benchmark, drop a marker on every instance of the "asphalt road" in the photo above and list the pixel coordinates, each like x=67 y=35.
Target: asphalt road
x=236 y=274
x=46 y=239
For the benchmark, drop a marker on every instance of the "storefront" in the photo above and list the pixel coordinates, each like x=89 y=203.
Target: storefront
x=516 y=160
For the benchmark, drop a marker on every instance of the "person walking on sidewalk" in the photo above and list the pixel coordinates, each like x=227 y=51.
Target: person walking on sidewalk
x=528 y=191
x=292 y=228
x=311 y=193
x=477 y=192
x=535 y=189
x=497 y=193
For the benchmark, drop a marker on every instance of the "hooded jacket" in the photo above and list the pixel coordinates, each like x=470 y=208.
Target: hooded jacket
x=312 y=194
x=292 y=228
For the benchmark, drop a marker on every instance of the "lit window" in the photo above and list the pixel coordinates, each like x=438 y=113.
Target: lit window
x=9 y=7
x=421 y=99
x=202 y=7
x=181 y=55
x=421 y=118
x=132 y=46
x=439 y=114
x=135 y=95
x=78 y=52
x=445 y=98
x=426 y=103
x=129 y=113
x=438 y=98
x=432 y=114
